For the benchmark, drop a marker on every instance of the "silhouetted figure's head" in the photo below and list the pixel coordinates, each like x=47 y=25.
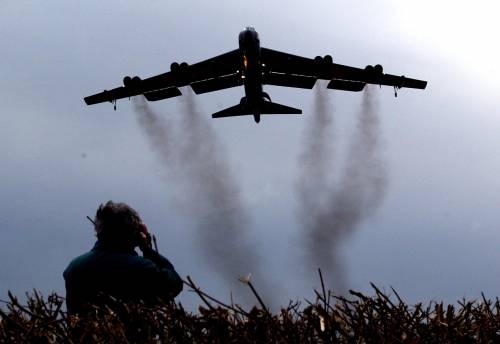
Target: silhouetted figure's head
x=117 y=225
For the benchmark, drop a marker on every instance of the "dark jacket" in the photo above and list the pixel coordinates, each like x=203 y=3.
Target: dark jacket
x=120 y=273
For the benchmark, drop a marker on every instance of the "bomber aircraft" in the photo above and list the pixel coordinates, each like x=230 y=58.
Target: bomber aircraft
x=253 y=66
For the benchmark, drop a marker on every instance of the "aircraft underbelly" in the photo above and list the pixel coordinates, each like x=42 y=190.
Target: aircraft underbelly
x=253 y=67
x=253 y=92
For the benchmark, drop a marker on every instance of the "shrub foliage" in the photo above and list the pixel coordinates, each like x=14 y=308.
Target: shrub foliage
x=355 y=318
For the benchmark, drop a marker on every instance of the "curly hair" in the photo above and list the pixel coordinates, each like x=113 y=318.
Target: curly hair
x=116 y=222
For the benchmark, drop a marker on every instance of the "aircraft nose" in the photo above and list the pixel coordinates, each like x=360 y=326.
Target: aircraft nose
x=244 y=36
x=247 y=35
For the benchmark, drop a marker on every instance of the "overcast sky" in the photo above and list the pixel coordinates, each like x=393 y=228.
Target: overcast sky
x=436 y=234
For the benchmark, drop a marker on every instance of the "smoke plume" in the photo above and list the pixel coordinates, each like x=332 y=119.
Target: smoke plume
x=157 y=129
x=211 y=197
x=315 y=159
x=340 y=207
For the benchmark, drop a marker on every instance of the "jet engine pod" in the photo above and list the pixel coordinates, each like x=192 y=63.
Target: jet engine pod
x=378 y=69
x=318 y=59
x=174 y=67
x=369 y=68
x=328 y=59
x=127 y=81
x=181 y=74
x=135 y=82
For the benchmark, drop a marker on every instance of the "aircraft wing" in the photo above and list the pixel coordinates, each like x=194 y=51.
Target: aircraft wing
x=341 y=77
x=206 y=76
x=109 y=96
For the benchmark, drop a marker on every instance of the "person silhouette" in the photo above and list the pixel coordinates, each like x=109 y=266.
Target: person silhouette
x=113 y=267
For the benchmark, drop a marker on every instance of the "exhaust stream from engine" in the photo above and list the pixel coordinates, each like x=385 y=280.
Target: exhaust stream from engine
x=332 y=211
x=210 y=195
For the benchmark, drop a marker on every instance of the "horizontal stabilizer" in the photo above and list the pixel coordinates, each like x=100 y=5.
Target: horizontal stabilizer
x=237 y=110
x=215 y=84
x=265 y=108
x=345 y=85
x=289 y=80
x=162 y=94
x=268 y=108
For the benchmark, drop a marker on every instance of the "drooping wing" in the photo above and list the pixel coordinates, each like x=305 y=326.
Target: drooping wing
x=215 y=84
x=155 y=88
x=210 y=75
x=228 y=63
x=342 y=77
x=109 y=96
x=288 y=80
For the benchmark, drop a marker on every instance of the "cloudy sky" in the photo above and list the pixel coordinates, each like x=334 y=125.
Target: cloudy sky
x=433 y=236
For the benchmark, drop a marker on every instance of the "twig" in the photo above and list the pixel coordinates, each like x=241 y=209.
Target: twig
x=201 y=293
x=322 y=286
x=258 y=298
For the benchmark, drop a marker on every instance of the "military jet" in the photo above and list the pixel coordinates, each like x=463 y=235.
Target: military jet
x=253 y=66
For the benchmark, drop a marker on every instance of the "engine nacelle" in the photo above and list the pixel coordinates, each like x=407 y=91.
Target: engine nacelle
x=135 y=82
x=174 y=67
x=369 y=68
x=127 y=81
x=328 y=59
x=318 y=59
x=181 y=74
x=378 y=69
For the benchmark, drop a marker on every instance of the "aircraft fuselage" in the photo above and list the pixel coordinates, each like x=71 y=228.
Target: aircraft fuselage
x=251 y=69
x=253 y=66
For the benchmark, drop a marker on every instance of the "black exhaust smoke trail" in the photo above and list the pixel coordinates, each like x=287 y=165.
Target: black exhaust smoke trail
x=222 y=219
x=157 y=129
x=360 y=191
x=211 y=196
x=314 y=161
x=314 y=190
